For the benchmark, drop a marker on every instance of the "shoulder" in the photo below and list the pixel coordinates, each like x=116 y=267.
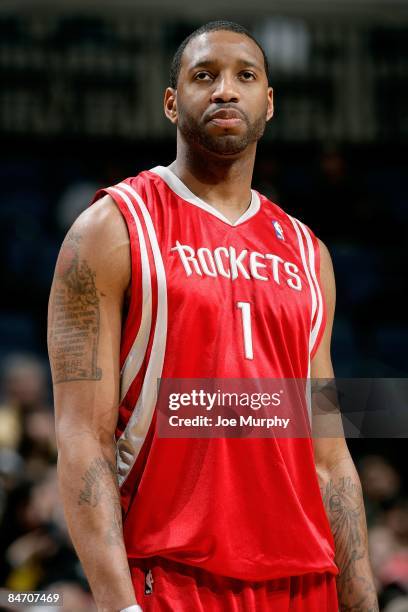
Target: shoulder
x=325 y=257
x=102 y=224
x=100 y=237
x=103 y=217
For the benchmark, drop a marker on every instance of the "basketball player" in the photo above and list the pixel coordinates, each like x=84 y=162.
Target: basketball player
x=185 y=272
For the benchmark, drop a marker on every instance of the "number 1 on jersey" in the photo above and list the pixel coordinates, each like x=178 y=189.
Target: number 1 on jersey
x=245 y=308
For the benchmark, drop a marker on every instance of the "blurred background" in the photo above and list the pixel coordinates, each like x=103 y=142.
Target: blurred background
x=81 y=107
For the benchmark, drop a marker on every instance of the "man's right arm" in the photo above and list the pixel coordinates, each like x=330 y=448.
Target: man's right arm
x=84 y=329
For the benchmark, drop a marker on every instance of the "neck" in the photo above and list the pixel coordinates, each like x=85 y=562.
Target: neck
x=222 y=181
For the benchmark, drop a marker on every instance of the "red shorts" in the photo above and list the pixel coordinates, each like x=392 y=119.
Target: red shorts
x=183 y=588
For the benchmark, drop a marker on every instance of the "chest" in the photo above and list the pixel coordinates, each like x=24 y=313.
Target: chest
x=212 y=267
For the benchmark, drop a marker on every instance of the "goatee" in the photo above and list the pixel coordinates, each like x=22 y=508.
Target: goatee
x=222 y=144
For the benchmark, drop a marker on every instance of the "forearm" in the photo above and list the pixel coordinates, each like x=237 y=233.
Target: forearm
x=91 y=502
x=342 y=497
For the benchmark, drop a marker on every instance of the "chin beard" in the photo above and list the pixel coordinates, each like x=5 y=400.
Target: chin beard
x=222 y=144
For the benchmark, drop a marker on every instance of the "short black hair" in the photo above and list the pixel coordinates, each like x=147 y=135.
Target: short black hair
x=211 y=26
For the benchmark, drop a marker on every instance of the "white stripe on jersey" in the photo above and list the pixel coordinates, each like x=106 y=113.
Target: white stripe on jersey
x=137 y=352
x=295 y=224
x=312 y=263
x=131 y=440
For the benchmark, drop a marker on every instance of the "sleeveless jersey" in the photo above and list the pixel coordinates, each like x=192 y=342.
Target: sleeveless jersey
x=245 y=508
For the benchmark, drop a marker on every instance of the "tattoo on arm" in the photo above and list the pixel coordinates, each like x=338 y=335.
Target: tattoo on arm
x=74 y=317
x=345 y=510
x=100 y=487
x=99 y=471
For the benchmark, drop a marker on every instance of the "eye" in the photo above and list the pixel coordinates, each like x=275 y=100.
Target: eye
x=202 y=76
x=247 y=75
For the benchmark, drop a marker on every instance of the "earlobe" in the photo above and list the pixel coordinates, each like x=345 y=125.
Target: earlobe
x=170 y=104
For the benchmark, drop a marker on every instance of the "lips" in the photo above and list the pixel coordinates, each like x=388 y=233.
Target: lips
x=226 y=117
x=225 y=113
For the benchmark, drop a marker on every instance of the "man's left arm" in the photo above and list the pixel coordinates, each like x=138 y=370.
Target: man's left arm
x=339 y=482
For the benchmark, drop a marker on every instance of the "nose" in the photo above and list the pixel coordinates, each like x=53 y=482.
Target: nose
x=225 y=90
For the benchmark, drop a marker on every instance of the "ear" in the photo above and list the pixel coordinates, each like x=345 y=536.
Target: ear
x=270 y=108
x=170 y=104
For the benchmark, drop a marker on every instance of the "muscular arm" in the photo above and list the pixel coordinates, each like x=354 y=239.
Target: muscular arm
x=84 y=329
x=340 y=485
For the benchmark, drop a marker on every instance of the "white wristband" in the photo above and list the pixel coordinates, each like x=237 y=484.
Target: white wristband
x=135 y=608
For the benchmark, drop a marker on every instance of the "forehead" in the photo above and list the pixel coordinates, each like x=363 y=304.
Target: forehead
x=221 y=45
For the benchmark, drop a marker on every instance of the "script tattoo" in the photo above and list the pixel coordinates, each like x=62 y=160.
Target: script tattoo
x=99 y=488
x=74 y=323
x=345 y=509
x=93 y=479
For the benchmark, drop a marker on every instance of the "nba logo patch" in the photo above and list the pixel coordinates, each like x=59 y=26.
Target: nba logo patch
x=278 y=230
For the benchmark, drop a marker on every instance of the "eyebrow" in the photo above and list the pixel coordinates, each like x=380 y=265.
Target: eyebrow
x=209 y=62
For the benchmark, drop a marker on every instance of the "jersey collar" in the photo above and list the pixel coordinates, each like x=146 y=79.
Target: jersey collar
x=184 y=192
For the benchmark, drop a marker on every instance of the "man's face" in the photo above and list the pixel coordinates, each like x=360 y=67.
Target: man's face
x=222 y=100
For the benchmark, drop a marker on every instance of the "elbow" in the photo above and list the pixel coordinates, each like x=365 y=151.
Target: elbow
x=329 y=452
x=74 y=447
x=323 y=476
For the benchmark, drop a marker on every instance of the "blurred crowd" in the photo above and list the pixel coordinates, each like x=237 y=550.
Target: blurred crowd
x=36 y=549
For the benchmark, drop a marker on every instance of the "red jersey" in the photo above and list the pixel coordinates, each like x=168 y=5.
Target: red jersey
x=215 y=299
